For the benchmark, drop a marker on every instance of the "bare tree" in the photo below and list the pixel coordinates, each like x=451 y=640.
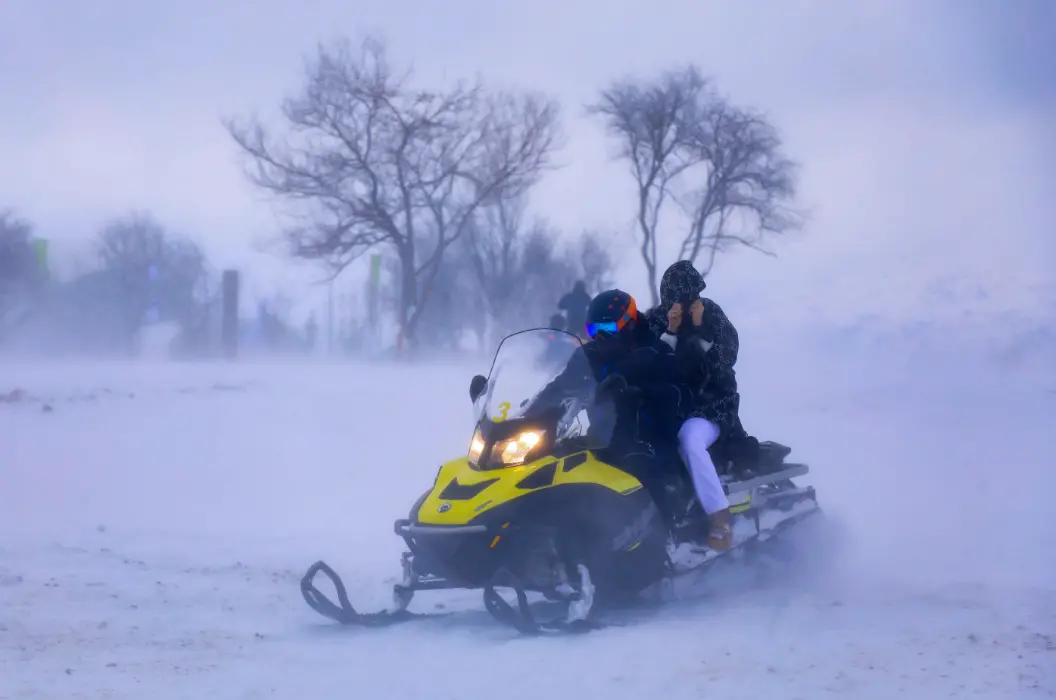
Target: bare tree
x=370 y=160
x=521 y=268
x=651 y=122
x=592 y=260
x=152 y=269
x=741 y=186
x=503 y=255
x=18 y=264
x=720 y=164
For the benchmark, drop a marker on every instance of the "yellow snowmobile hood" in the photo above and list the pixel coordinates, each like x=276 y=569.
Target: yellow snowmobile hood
x=463 y=492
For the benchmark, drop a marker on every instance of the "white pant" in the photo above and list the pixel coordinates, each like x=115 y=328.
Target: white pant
x=694 y=438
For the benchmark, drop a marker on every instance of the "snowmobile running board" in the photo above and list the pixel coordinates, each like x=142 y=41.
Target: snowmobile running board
x=792 y=471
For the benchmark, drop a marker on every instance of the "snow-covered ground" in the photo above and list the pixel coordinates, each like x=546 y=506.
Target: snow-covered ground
x=155 y=520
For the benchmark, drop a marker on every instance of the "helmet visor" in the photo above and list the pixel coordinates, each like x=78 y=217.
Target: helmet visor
x=604 y=328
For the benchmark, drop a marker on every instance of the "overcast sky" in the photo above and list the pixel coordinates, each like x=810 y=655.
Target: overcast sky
x=925 y=127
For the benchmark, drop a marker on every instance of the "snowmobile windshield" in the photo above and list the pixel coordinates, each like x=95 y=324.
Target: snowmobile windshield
x=541 y=377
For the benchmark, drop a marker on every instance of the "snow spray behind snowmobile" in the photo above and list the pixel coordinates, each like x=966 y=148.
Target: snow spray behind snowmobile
x=535 y=507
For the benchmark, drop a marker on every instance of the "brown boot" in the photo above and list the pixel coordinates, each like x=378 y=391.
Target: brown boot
x=720 y=536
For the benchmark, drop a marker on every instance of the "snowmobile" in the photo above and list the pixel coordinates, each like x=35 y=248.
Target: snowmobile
x=537 y=507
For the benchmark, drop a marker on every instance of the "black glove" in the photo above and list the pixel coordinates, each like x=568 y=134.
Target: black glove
x=611 y=387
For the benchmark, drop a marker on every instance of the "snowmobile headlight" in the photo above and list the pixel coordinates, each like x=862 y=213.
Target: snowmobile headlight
x=476 y=447
x=514 y=451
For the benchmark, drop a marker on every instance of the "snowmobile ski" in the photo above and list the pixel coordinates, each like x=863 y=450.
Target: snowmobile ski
x=522 y=618
x=343 y=611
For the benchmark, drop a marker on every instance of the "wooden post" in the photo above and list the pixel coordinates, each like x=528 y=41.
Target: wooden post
x=229 y=314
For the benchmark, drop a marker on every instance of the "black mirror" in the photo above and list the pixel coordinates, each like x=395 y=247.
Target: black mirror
x=477 y=385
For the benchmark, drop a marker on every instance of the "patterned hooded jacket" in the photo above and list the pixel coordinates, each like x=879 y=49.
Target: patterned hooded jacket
x=707 y=353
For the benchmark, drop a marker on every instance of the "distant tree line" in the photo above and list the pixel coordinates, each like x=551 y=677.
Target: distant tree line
x=136 y=272
x=438 y=181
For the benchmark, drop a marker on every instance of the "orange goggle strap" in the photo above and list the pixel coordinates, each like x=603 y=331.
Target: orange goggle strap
x=614 y=327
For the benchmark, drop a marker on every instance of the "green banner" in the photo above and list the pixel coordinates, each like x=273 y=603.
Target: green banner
x=40 y=250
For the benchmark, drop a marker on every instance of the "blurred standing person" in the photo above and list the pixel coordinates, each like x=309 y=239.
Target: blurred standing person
x=575 y=304
x=311 y=333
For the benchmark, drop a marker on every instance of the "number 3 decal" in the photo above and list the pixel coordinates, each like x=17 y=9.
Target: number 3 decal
x=504 y=409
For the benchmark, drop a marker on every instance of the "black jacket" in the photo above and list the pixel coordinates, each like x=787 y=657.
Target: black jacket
x=575 y=305
x=706 y=354
x=659 y=393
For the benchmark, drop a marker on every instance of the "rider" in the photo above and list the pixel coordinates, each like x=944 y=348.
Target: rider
x=640 y=373
x=707 y=348
x=575 y=305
